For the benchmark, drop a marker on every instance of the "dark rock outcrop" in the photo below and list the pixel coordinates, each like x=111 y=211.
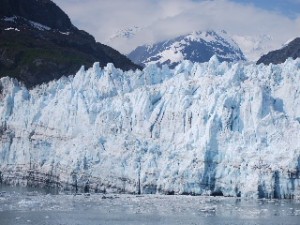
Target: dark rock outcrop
x=291 y=50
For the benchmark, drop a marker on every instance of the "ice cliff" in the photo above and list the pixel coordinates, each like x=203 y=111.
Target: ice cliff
x=212 y=128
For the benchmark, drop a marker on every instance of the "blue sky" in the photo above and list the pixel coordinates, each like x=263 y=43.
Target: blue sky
x=290 y=8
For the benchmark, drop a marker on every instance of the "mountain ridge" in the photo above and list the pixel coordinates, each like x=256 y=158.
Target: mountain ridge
x=38 y=43
x=289 y=50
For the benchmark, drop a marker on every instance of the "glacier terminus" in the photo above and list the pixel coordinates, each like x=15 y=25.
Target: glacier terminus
x=214 y=128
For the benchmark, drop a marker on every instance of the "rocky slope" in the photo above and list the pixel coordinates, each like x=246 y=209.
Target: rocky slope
x=291 y=50
x=38 y=43
x=197 y=47
x=213 y=128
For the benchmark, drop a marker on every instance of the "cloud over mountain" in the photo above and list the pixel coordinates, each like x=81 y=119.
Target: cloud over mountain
x=166 y=19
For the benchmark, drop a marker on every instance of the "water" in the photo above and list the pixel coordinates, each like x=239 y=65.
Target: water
x=20 y=206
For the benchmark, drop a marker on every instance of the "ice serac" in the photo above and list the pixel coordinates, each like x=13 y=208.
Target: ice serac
x=212 y=128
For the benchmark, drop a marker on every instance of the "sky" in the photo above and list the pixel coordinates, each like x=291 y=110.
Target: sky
x=289 y=8
x=163 y=19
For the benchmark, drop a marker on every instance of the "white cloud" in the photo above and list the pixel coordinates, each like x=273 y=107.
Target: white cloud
x=163 y=19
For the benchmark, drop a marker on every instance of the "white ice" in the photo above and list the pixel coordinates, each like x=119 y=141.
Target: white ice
x=211 y=128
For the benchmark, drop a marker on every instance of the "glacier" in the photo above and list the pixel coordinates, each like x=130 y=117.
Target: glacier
x=214 y=128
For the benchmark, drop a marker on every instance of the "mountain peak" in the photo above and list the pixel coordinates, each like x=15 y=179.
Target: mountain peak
x=254 y=46
x=197 y=46
x=126 y=33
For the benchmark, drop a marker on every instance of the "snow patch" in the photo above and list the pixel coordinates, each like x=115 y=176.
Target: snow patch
x=64 y=33
x=11 y=28
x=10 y=19
x=39 y=26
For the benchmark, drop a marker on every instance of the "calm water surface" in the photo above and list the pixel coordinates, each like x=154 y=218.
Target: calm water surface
x=20 y=206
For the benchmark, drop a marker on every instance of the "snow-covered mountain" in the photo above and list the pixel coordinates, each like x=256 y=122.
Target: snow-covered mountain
x=197 y=47
x=123 y=34
x=211 y=128
x=254 y=47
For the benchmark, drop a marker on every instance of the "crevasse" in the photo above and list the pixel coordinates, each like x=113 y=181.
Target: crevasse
x=212 y=128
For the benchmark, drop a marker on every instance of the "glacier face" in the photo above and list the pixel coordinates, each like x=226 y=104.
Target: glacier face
x=212 y=128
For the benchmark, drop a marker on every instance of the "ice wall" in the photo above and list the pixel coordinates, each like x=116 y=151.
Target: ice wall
x=212 y=128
